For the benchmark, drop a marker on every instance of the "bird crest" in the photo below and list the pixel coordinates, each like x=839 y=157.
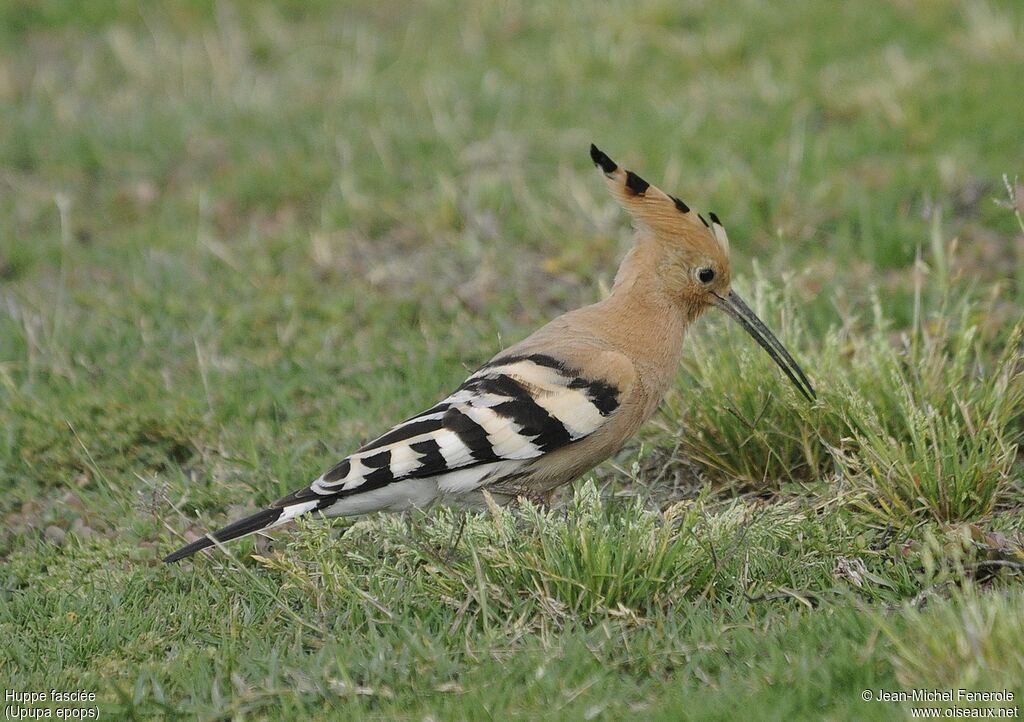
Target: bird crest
x=650 y=207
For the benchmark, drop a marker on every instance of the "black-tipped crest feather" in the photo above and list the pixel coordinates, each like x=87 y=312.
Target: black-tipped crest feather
x=601 y=160
x=636 y=185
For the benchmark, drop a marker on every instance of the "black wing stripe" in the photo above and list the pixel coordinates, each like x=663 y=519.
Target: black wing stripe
x=538 y=358
x=497 y=384
x=471 y=434
x=376 y=461
x=604 y=396
x=338 y=472
x=381 y=474
x=296 y=497
x=432 y=461
x=436 y=408
x=547 y=432
x=375 y=479
x=402 y=433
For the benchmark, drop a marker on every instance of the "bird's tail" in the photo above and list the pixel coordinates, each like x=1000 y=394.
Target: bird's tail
x=260 y=520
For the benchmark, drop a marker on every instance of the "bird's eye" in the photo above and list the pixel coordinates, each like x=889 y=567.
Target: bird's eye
x=706 y=275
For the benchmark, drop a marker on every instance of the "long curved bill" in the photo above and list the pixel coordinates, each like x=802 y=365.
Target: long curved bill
x=741 y=313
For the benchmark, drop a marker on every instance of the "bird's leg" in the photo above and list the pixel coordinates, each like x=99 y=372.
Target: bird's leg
x=540 y=499
x=456 y=536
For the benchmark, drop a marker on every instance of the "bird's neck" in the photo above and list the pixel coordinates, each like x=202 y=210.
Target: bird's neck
x=639 y=320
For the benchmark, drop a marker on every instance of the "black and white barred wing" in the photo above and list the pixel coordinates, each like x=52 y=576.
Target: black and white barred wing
x=505 y=417
x=508 y=413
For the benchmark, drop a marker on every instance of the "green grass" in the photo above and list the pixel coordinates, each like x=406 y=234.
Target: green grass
x=238 y=239
x=924 y=420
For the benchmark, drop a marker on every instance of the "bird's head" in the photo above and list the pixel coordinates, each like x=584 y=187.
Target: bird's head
x=690 y=257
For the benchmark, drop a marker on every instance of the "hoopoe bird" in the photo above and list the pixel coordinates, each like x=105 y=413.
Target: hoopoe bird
x=545 y=411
